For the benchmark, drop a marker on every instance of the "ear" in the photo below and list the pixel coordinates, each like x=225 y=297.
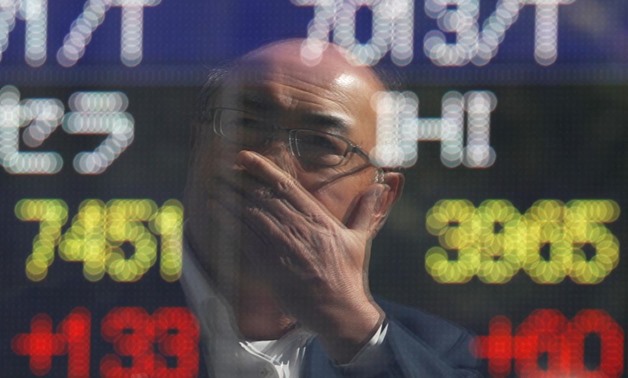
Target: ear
x=394 y=181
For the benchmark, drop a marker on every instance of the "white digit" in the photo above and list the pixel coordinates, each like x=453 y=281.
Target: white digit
x=393 y=27
x=463 y=21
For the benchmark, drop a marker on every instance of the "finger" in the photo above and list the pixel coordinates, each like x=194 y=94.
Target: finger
x=280 y=182
x=259 y=209
x=252 y=195
x=259 y=229
x=249 y=197
x=233 y=205
x=282 y=245
x=364 y=214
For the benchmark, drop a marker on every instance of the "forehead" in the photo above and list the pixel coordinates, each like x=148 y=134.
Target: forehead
x=288 y=84
x=281 y=85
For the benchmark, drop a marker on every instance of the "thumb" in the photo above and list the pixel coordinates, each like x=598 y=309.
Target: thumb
x=364 y=213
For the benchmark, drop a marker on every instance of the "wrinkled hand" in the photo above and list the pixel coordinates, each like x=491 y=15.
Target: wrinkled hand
x=316 y=265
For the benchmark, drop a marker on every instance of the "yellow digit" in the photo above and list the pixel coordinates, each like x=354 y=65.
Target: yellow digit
x=583 y=225
x=544 y=223
x=124 y=224
x=52 y=215
x=453 y=222
x=85 y=239
x=501 y=235
x=169 y=224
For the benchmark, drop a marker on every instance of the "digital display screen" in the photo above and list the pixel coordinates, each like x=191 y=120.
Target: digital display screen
x=510 y=125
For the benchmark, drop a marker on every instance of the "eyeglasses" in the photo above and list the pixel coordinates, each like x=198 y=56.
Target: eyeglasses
x=311 y=147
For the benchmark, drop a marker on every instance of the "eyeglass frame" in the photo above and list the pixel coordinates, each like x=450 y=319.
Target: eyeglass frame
x=292 y=140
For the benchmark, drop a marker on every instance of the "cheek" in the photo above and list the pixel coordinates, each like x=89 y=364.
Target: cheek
x=340 y=200
x=216 y=159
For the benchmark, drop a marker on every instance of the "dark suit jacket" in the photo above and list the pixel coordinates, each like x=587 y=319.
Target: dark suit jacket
x=422 y=345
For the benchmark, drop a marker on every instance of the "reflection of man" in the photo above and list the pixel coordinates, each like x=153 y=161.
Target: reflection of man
x=282 y=204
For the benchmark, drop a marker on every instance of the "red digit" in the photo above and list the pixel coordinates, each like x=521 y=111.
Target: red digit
x=612 y=344
x=548 y=326
x=177 y=334
x=77 y=330
x=131 y=331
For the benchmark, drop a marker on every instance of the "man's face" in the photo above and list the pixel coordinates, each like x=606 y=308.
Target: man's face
x=274 y=85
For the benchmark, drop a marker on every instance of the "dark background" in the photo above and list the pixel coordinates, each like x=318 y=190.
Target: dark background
x=559 y=132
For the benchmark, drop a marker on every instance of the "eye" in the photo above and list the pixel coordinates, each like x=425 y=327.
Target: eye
x=242 y=120
x=320 y=148
x=320 y=143
x=243 y=128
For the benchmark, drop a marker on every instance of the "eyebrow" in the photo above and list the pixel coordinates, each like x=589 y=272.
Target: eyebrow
x=259 y=102
x=327 y=121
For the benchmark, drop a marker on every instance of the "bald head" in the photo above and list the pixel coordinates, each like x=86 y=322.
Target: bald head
x=335 y=68
x=332 y=60
x=275 y=77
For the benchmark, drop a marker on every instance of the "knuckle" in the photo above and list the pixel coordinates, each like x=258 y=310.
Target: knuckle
x=254 y=211
x=286 y=185
x=294 y=231
x=315 y=218
x=264 y=193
